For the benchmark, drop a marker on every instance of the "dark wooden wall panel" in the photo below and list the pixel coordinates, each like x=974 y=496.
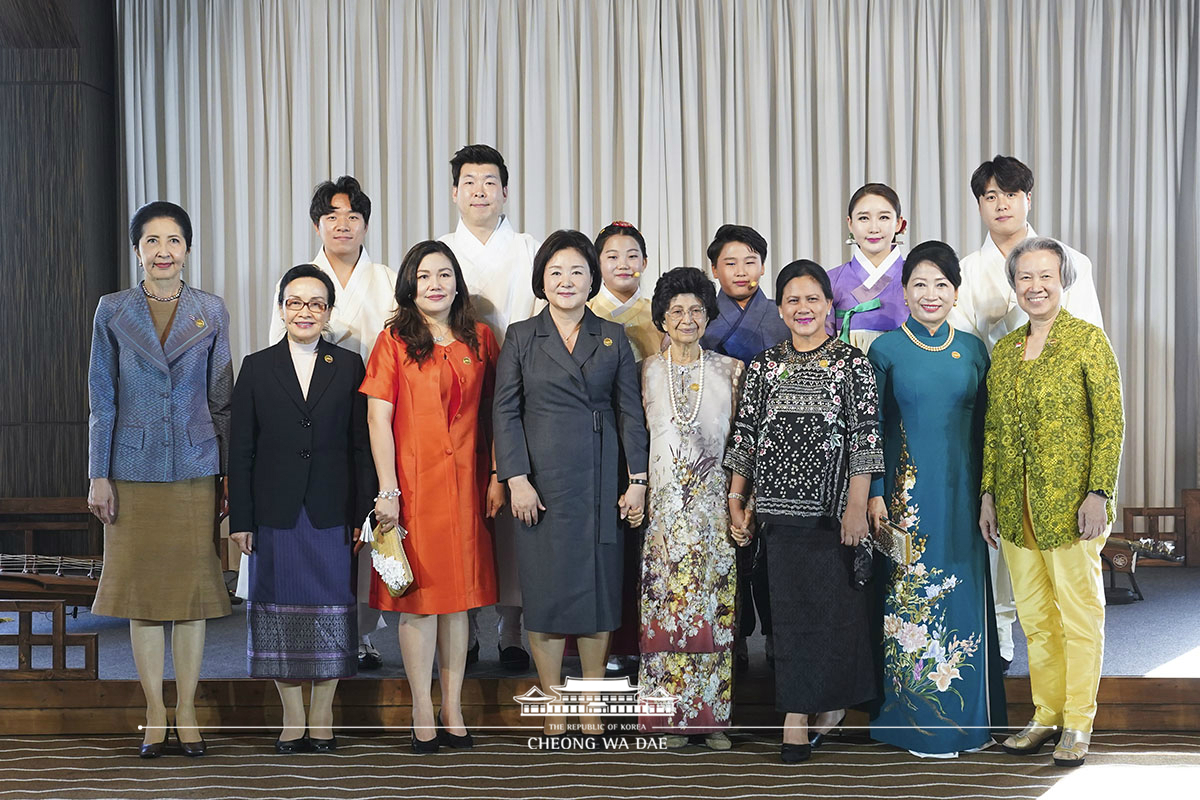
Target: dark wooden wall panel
x=58 y=152
x=44 y=460
x=46 y=281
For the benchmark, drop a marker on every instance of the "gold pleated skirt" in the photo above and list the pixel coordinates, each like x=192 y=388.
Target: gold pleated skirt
x=160 y=559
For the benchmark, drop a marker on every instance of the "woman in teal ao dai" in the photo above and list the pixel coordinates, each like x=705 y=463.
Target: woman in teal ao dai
x=942 y=682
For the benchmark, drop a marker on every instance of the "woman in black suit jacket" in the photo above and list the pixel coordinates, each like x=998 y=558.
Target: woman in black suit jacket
x=566 y=389
x=300 y=476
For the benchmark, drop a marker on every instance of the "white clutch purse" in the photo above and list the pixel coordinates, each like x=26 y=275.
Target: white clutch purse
x=388 y=556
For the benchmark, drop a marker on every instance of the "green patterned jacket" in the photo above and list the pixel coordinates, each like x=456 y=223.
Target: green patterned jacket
x=1056 y=422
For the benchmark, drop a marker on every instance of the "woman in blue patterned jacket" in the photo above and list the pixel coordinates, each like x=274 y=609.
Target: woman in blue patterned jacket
x=160 y=386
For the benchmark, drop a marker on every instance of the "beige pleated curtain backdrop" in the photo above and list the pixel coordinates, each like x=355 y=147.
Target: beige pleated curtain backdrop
x=680 y=115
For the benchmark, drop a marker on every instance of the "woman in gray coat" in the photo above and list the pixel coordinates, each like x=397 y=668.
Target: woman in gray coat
x=566 y=389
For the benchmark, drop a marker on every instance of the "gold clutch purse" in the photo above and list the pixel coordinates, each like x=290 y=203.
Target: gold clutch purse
x=893 y=542
x=388 y=556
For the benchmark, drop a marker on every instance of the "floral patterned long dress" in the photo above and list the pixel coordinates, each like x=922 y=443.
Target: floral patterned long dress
x=689 y=573
x=942 y=687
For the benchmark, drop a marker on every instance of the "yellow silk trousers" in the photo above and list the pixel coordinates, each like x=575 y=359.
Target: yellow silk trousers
x=1060 y=602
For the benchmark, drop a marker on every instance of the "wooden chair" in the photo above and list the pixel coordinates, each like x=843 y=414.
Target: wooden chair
x=1118 y=557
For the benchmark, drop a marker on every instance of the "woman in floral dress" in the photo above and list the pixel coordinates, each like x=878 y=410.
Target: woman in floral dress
x=942 y=687
x=689 y=573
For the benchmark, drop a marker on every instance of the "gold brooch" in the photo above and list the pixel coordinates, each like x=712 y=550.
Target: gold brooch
x=824 y=362
x=328 y=359
x=466 y=360
x=607 y=342
x=955 y=354
x=199 y=323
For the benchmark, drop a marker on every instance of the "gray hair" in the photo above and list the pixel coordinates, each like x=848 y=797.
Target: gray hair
x=1066 y=267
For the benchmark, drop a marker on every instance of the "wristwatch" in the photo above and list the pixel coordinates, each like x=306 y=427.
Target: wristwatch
x=1100 y=492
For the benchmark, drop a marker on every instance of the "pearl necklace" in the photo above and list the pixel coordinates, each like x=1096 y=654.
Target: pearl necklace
x=924 y=346
x=170 y=299
x=682 y=401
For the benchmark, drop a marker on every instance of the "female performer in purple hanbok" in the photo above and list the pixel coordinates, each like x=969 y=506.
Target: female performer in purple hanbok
x=868 y=296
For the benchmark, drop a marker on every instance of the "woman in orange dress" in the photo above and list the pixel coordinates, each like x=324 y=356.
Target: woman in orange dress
x=429 y=388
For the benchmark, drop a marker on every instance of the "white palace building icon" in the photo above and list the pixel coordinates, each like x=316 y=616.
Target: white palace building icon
x=611 y=696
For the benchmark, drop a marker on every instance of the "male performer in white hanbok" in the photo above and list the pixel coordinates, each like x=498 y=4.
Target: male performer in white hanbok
x=366 y=298
x=497 y=264
x=987 y=307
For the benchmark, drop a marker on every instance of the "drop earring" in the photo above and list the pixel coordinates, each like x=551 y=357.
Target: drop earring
x=849 y=241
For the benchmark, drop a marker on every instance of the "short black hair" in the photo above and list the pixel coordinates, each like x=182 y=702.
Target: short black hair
x=478 y=154
x=322 y=201
x=939 y=254
x=877 y=189
x=736 y=233
x=565 y=240
x=156 y=210
x=619 y=228
x=1010 y=174
x=305 y=271
x=800 y=269
x=682 y=280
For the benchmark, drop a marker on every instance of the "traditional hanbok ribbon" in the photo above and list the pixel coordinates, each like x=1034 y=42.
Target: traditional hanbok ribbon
x=844 y=316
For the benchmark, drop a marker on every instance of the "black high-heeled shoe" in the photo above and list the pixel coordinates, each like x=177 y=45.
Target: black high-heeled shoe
x=836 y=728
x=795 y=753
x=451 y=740
x=423 y=747
x=193 y=749
x=155 y=749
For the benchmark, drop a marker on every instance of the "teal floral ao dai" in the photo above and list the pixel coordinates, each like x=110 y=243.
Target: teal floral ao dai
x=942 y=686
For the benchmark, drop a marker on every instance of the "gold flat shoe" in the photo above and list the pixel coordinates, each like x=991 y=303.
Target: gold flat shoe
x=1029 y=740
x=1072 y=748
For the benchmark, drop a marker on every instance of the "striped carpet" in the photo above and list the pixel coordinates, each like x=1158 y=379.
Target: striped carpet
x=1121 y=765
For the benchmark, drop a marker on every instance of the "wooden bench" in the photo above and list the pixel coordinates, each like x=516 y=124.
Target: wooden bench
x=51 y=524
x=58 y=640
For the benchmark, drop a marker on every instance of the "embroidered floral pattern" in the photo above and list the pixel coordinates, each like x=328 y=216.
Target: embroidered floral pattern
x=689 y=565
x=688 y=585
x=922 y=657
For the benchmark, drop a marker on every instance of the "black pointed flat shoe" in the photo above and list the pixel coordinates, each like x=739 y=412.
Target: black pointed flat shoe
x=292 y=746
x=323 y=745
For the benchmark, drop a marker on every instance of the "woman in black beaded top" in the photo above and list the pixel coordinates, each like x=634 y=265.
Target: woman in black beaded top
x=805 y=443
